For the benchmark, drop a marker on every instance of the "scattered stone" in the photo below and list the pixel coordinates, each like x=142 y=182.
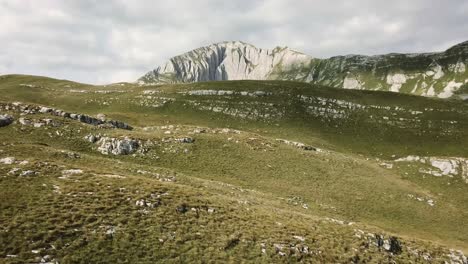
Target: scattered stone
x=183 y=208
x=71 y=155
x=110 y=231
x=25 y=122
x=300 y=238
x=185 y=140
x=298 y=145
x=28 y=173
x=14 y=171
x=91 y=138
x=386 y=165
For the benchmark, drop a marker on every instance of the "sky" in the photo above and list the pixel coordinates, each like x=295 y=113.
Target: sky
x=101 y=42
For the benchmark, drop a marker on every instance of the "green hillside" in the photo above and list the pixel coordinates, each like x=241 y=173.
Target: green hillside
x=232 y=171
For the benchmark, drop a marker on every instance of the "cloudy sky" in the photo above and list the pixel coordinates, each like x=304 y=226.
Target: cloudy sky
x=118 y=40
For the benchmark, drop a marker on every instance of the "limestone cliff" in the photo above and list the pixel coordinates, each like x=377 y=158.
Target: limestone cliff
x=428 y=74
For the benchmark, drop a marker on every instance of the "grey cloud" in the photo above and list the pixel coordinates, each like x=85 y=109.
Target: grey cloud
x=118 y=40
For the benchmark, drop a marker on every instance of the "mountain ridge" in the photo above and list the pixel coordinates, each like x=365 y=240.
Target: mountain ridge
x=434 y=74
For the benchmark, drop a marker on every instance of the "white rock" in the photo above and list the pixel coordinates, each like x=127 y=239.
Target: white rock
x=14 y=171
x=24 y=121
x=445 y=166
x=449 y=89
x=300 y=238
x=107 y=145
x=460 y=67
x=28 y=173
x=351 y=83
x=396 y=81
x=386 y=244
x=430 y=202
x=72 y=172
x=45 y=109
x=8 y=160
x=439 y=73
x=101 y=117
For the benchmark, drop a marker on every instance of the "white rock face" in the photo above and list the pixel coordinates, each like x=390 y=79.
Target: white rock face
x=227 y=61
x=459 y=67
x=431 y=91
x=451 y=87
x=438 y=72
x=351 y=83
x=396 y=81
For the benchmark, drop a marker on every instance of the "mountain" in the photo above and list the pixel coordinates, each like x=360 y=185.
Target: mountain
x=428 y=74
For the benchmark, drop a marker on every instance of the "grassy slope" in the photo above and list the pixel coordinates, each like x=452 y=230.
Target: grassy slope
x=340 y=183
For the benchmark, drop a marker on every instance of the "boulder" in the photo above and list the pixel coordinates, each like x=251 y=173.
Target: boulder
x=395 y=246
x=89 y=120
x=5 y=120
x=121 y=125
x=185 y=140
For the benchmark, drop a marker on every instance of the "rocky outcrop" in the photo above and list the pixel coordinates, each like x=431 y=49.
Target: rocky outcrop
x=441 y=166
x=428 y=74
x=5 y=120
x=114 y=146
x=27 y=109
x=298 y=145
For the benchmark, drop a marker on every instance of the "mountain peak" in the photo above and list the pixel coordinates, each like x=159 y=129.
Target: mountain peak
x=428 y=74
x=228 y=60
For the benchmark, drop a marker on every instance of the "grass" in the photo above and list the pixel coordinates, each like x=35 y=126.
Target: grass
x=248 y=178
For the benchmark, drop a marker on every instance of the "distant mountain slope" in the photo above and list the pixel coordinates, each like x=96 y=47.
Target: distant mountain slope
x=427 y=74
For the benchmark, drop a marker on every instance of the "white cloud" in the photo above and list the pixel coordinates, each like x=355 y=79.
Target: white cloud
x=119 y=40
